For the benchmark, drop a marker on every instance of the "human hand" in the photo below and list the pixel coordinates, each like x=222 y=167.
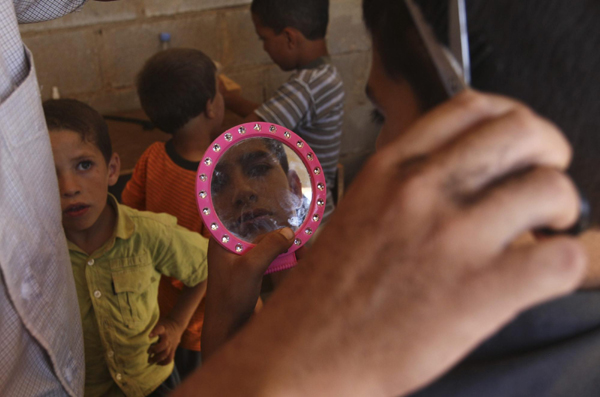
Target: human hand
x=169 y=336
x=234 y=284
x=416 y=266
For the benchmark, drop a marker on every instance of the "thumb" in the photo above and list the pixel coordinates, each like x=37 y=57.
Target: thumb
x=269 y=247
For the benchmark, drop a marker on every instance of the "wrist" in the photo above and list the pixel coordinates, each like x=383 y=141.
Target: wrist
x=178 y=325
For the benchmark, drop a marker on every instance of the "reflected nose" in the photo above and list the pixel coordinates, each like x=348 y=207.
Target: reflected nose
x=244 y=192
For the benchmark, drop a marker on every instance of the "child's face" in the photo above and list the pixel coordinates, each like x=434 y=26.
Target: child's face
x=83 y=179
x=251 y=192
x=276 y=45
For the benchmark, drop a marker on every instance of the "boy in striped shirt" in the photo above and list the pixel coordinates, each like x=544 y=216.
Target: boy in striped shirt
x=311 y=102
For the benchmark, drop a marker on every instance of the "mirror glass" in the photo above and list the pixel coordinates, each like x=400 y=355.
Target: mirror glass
x=260 y=185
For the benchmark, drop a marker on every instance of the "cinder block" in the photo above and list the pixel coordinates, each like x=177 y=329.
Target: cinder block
x=346 y=32
x=360 y=133
x=354 y=69
x=112 y=101
x=161 y=7
x=126 y=49
x=241 y=46
x=93 y=12
x=67 y=60
x=252 y=82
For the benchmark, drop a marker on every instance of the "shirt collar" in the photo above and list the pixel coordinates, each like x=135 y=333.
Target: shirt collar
x=324 y=60
x=124 y=228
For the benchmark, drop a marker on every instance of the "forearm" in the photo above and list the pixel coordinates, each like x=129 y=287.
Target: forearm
x=187 y=303
x=240 y=105
x=223 y=320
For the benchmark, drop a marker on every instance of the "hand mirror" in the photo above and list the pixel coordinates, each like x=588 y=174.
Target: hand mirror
x=256 y=178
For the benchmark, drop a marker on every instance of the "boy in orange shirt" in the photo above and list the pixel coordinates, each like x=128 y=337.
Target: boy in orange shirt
x=178 y=91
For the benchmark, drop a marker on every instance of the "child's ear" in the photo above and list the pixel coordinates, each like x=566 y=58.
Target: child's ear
x=210 y=110
x=292 y=37
x=114 y=169
x=295 y=184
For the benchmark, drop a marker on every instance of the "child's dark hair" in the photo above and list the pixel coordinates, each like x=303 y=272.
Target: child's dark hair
x=175 y=85
x=76 y=116
x=310 y=17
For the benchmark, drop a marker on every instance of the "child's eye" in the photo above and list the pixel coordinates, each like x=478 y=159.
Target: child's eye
x=377 y=117
x=84 y=165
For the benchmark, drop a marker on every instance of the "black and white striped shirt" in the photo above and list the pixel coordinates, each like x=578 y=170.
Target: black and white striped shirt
x=311 y=103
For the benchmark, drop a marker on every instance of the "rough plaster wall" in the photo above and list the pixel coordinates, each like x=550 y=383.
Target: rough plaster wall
x=94 y=54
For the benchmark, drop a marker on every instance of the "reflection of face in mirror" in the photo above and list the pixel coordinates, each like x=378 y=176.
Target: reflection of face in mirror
x=259 y=186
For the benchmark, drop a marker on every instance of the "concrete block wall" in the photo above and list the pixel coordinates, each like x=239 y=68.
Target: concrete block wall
x=94 y=54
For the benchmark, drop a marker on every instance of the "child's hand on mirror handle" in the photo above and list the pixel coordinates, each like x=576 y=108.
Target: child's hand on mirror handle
x=234 y=284
x=169 y=335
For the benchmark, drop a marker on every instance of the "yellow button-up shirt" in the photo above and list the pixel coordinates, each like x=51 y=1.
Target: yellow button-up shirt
x=117 y=288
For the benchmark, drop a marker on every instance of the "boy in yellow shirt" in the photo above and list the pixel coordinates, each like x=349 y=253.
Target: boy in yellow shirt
x=118 y=255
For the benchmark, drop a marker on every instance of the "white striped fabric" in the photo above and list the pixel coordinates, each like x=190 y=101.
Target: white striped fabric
x=311 y=103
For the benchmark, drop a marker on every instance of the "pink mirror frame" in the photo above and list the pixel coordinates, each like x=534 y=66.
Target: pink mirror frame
x=204 y=178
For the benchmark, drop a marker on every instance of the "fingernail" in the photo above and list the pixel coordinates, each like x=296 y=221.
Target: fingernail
x=287 y=233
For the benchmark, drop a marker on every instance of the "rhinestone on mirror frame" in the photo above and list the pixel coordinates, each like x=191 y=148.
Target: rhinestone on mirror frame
x=308 y=231
x=320 y=202
x=300 y=144
x=203 y=177
x=242 y=130
x=272 y=129
x=310 y=156
x=202 y=194
x=225 y=239
x=208 y=161
x=239 y=248
x=320 y=186
x=257 y=127
x=206 y=211
x=297 y=241
x=228 y=137
x=214 y=226
x=287 y=135
x=316 y=217
x=317 y=171
x=217 y=148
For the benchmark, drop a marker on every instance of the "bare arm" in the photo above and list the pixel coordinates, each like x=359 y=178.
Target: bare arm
x=416 y=268
x=234 y=287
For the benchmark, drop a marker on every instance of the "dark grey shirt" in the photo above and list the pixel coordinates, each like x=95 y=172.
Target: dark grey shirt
x=552 y=350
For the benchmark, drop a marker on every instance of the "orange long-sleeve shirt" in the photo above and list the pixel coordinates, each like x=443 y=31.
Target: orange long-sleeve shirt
x=165 y=182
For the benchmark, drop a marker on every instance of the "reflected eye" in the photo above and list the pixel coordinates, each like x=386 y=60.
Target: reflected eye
x=219 y=182
x=377 y=117
x=258 y=170
x=84 y=165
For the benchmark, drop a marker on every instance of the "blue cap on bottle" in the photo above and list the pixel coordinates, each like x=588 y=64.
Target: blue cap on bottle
x=165 y=37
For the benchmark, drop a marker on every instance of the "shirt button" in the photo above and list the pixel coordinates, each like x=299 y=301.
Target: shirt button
x=110 y=353
x=91 y=262
x=119 y=377
x=97 y=294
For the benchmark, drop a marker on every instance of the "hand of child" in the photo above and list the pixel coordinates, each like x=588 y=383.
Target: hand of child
x=169 y=335
x=234 y=286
